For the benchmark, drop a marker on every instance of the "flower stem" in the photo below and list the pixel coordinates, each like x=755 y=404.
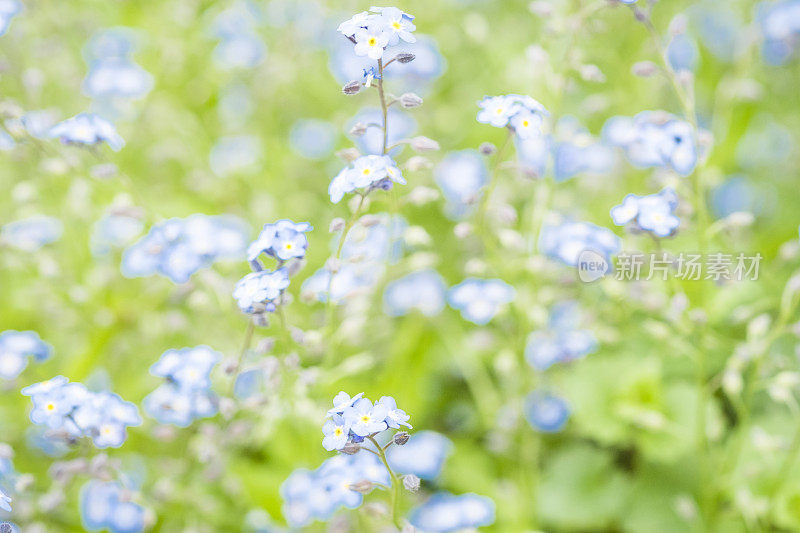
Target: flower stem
x=248 y=340
x=384 y=107
x=395 y=483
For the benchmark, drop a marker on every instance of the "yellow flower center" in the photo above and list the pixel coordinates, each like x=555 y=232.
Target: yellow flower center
x=338 y=432
x=365 y=418
x=366 y=171
x=50 y=407
x=396 y=25
x=372 y=41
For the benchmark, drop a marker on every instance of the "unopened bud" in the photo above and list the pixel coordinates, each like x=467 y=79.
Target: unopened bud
x=487 y=149
x=417 y=163
x=333 y=265
x=644 y=69
x=401 y=438
x=358 y=129
x=640 y=15
x=348 y=154
x=364 y=486
x=351 y=448
x=354 y=87
x=592 y=73
x=409 y=100
x=405 y=57
x=424 y=144
x=411 y=482
x=369 y=220
x=337 y=224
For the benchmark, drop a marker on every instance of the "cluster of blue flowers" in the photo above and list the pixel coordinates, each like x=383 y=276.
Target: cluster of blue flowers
x=780 y=27
x=186 y=395
x=317 y=495
x=260 y=291
x=112 y=71
x=372 y=32
x=87 y=129
x=16 y=348
x=72 y=411
x=566 y=241
x=352 y=419
x=479 y=300
x=654 y=213
x=445 y=512
x=179 y=247
x=562 y=341
x=655 y=139
x=107 y=505
x=521 y=114
x=367 y=173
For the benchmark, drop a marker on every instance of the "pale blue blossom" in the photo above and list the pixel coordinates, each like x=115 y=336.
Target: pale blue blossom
x=260 y=291
x=235 y=154
x=461 y=176
x=8 y=10
x=479 y=300
x=365 y=418
x=423 y=290
x=655 y=139
x=653 y=213
x=423 y=455
x=32 y=233
x=312 y=139
x=114 y=230
x=565 y=241
x=561 y=341
x=17 y=347
x=106 y=506
x=522 y=114
x=87 y=129
x=546 y=412
x=366 y=173
x=444 y=512
x=337 y=432
x=282 y=240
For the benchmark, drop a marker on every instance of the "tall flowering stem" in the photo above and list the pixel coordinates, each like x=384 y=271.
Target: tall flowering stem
x=395 y=498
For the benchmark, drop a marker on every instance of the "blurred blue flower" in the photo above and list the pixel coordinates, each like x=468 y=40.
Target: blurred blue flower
x=423 y=455
x=565 y=241
x=423 y=290
x=114 y=230
x=655 y=139
x=461 y=176
x=479 y=300
x=780 y=27
x=8 y=10
x=312 y=139
x=682 y=53
x=106 y=505
x=87 y=129
x=232 y=155
x=562 y=341
x=317 y=495
x=119 y=78
x=186 y=395
x=259 y=292
x=32 y=233
x=738 y=194
x=546 y=412
x=399 y=124
x=445 y=512
x=177 y=247
x=654 y=213
x=16 y=347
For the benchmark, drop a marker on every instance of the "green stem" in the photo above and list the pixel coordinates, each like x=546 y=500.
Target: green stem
x=248 y=340
x=395 y=494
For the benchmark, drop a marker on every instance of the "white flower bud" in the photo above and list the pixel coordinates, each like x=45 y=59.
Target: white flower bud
x=424 y=144
x=369 y=220
x=358 y=129
x=592 y=73
x=411 y=483
x=364 y=486
x=644 y=69
x=417 y=163
x=487 y=149
x=405 y=57
x=422 y=195
x=462 y=230
x=348 y=154
x=352 y=88
x=410 y=100
x=337 y=224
